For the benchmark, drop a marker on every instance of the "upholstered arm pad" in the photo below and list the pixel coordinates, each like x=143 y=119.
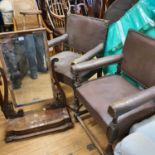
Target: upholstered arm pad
x=57 y=40
x=96 y=63
x=132 y=102
x=90 y=54
x=31 y=12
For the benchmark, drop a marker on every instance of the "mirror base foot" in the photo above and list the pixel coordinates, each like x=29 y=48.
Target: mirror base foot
x=19 y=113
x=9 y=111
x=56 y=105
x=36 y=123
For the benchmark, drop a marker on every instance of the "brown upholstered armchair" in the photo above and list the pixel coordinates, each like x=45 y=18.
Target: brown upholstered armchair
x=114 y=102
x=83 y=41
x=86 y=35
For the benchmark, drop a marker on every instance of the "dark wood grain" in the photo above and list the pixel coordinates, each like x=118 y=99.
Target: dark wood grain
x=38 y=122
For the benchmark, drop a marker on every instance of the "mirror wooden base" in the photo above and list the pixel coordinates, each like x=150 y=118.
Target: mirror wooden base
x=38 y=122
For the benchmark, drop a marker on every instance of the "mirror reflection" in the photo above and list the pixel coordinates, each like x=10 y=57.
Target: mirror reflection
x=26 y=63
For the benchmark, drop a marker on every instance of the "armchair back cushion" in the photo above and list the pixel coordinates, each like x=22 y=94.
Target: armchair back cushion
x=85 y=32
x=139 y=58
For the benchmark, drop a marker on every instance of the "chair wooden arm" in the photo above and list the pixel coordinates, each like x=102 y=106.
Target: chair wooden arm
x=97 y=63
x=90 y=54
x=57 y=40
x=31 y=12
x=129 y=103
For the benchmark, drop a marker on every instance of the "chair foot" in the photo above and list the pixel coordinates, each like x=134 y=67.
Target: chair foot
x=56 y=104
x=82 y=112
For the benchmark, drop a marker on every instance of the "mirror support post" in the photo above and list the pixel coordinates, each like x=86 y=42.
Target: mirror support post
x=7 y=106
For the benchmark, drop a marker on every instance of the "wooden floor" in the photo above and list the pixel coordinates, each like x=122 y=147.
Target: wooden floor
x=71 y=142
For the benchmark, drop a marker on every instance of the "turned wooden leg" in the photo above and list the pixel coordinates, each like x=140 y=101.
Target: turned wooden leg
x=99 y=73
x=76 y=104
x=112 y=134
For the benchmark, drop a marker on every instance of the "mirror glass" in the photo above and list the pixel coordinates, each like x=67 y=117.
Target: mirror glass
x=24 y=56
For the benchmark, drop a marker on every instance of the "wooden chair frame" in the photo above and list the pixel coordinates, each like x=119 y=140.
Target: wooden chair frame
x=35 y=12
x=57 y=11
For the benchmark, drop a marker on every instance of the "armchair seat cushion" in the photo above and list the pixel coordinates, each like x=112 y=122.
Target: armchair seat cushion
x=63 y=67
x=97 y=95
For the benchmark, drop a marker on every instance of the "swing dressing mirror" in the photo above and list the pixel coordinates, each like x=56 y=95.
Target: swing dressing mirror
x=24 y=57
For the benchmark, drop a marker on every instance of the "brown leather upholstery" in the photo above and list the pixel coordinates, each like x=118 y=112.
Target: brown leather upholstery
x=85 y=32
x=63 y=67
x=99 y=94
x=139 y=62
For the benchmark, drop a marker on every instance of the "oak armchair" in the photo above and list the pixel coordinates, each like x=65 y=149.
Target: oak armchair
x=114 y=102
x=86 y=36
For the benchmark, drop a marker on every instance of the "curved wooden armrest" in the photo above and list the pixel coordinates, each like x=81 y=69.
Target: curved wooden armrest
x=47 y=29
x=90 y=54
x=31 y=12
x=57 y=40
x=95 y=64
x=60 y=17
x=129 y=103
